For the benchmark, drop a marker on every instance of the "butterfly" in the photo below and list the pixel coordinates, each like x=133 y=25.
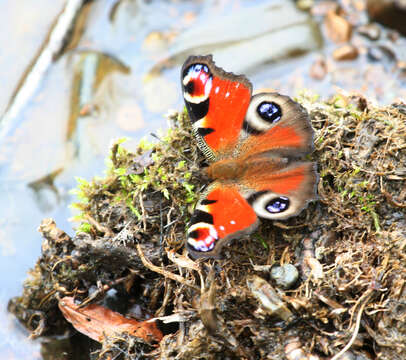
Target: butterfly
x=253 y=145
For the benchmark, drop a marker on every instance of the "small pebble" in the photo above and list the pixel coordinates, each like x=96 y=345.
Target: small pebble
x=401 y=65
x=338 y=29
x=381 y=53
x=305 y=5
x=318 y=70
x=371 y=31
x=345 y=52
x=285 y=276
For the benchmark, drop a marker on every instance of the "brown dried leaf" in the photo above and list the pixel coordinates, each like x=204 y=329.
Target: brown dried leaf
x=96 y=322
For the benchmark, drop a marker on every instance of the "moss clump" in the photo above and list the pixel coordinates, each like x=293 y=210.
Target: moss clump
x=156 y=181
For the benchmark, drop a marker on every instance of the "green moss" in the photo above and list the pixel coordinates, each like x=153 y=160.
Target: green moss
x=85 y=227
x=166 y=168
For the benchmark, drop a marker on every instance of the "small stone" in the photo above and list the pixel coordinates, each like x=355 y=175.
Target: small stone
x=318 y=70
x=371 y=31
x=338 y=29
x=305 y=5
x=381 y=53
x=401 y=65
x=345 y=52
x=285 y=276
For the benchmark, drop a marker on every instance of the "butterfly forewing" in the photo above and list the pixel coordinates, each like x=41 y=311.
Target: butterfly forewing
x=217 y=102
x=220 y=216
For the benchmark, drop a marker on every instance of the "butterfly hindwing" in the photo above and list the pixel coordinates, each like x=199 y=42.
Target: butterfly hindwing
x=281 y=193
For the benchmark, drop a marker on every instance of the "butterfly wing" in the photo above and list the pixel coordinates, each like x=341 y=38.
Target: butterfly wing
x=278 y=125
x=221 y=215
x=217 y=102
x=279 y=192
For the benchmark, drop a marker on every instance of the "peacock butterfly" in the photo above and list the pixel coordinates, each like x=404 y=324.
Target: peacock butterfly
x=254 y=145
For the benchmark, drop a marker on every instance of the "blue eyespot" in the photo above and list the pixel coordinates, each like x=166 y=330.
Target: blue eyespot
x=197 y=68
x=269 y=111
x=278 y=205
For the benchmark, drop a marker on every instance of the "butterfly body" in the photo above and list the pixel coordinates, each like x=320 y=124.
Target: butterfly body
x=227 y=169
x=254 y=145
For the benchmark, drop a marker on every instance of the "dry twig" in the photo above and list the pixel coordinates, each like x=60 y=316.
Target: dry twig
x=161 y=271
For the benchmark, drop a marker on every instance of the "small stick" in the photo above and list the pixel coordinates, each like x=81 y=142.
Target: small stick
x=161 y=271
x=99 y=227
x=356 y=330
x=101 y=289
x=389 y=198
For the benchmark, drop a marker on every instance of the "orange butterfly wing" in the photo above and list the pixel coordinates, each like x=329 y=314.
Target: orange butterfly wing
x=222 y=215
x=217 y=102
x=276 y=124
